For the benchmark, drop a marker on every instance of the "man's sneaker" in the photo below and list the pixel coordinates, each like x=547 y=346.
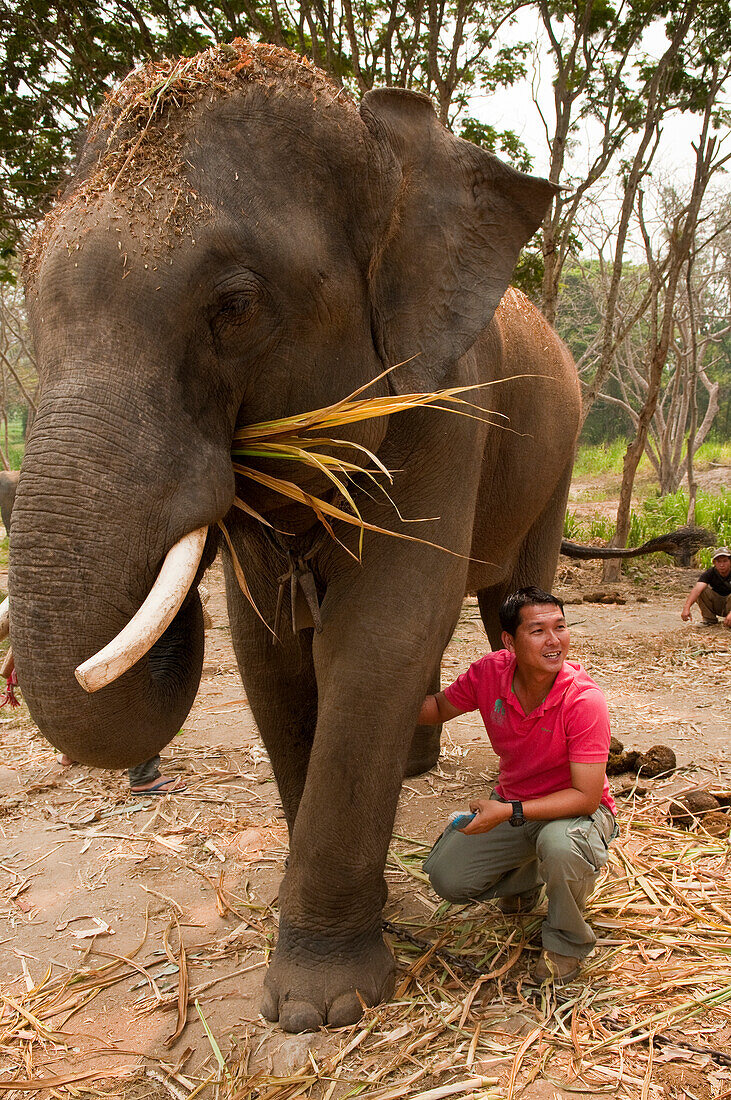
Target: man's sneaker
x=519 y=903
x=556 y=968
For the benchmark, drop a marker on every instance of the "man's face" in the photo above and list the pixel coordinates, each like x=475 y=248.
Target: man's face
x=723 y=565
x=541 y=640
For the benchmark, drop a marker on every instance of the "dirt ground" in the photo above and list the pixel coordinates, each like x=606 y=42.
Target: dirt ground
x=91 y=877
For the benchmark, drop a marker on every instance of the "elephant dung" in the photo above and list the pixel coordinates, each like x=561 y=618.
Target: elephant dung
x=691 y=807
x=717 y=823
x=658 y=760
x=604 y=597
x=621 y=762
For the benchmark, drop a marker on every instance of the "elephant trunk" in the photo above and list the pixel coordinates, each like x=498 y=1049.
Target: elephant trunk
x=91 y=529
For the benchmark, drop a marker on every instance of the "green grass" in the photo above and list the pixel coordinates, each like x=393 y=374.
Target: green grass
x=16 y=443
x=601 y=458
x=713 y=510
x=606 y=458
x=584 y=528
x=714 y=452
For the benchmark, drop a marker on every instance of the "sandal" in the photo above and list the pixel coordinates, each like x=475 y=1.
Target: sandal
x=162 y=786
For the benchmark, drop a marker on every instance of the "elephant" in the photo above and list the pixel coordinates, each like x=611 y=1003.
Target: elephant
x=8 y=486
x=246 y=244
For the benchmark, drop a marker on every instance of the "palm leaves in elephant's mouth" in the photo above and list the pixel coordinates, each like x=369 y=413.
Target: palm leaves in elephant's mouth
x=306 y=438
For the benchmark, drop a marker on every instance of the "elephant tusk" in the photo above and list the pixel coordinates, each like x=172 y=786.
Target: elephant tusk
x=153 y=618
x=4 y=618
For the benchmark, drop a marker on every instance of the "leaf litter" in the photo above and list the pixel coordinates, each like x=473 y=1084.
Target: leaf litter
x=655 y=1004
x=657 y=989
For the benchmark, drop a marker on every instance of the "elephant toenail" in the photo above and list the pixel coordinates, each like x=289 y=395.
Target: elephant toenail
x=345 y=1009
x=269 y=1006
x=296 y=1016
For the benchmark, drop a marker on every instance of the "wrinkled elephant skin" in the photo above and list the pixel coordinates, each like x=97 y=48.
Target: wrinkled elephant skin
x=279 y=250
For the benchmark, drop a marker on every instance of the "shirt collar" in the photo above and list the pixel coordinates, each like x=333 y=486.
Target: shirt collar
x=506 y=680
x=558 y=688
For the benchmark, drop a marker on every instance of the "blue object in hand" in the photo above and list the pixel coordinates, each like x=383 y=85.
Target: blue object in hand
x=461 y=820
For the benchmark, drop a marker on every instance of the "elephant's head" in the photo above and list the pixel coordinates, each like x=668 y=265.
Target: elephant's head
x=241 y=245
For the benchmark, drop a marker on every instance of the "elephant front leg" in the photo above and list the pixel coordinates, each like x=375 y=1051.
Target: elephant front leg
x=280 y=684
x=331 y=958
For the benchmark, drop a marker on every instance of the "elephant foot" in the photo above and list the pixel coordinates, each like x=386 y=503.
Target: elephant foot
x=325 y=985
x=424 y=750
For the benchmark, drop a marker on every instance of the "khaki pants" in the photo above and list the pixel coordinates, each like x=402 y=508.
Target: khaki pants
x=711 y=604
x=566 y=855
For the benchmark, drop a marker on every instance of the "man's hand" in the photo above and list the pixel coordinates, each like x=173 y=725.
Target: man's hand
x=488 y=813
x=693 y=595
x=727 y=620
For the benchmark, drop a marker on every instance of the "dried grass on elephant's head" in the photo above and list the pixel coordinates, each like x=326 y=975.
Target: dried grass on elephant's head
x=136 y=142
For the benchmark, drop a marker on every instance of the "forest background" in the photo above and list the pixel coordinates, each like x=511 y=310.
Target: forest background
x=624 y=104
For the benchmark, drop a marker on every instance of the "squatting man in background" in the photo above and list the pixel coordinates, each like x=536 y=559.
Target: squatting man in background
x=551 y=816
x=712 y=591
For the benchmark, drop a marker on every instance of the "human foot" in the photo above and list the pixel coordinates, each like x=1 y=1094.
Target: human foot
x=556 y=968
x=160 y=786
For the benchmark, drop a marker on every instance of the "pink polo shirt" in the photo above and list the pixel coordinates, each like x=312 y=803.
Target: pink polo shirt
x=571 y=724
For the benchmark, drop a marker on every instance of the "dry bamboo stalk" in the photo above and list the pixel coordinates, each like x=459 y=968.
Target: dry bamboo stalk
x=454 y=1089
x=183 y=986
x=519 y=1055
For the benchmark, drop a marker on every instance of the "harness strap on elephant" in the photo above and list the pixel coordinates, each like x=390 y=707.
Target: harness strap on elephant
x=305 y=604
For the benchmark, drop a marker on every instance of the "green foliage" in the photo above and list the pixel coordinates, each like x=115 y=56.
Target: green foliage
x=16 y=436
x=659 y=514
x=587 y=528
x=528 y=274
x=505 y=143
x=57 y=61
x=606 y=457
x=601 y=458
x=714 y=452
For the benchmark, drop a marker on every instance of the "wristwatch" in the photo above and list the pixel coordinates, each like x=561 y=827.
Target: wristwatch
x=517 y=815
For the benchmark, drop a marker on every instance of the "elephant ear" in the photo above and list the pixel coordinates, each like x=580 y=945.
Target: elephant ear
x=456 y=220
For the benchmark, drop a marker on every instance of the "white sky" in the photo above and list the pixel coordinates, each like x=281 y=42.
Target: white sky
x=513 y=108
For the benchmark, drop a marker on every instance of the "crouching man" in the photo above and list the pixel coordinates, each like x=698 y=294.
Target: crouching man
x=551 y=816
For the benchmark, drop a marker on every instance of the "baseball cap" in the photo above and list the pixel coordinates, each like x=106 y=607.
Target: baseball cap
x=722 y=552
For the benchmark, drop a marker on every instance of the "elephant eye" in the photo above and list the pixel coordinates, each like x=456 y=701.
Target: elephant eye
x=236 y=304
x=235 y=309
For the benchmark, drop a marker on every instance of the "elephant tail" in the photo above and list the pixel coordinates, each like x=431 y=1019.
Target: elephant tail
x=681 y=544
